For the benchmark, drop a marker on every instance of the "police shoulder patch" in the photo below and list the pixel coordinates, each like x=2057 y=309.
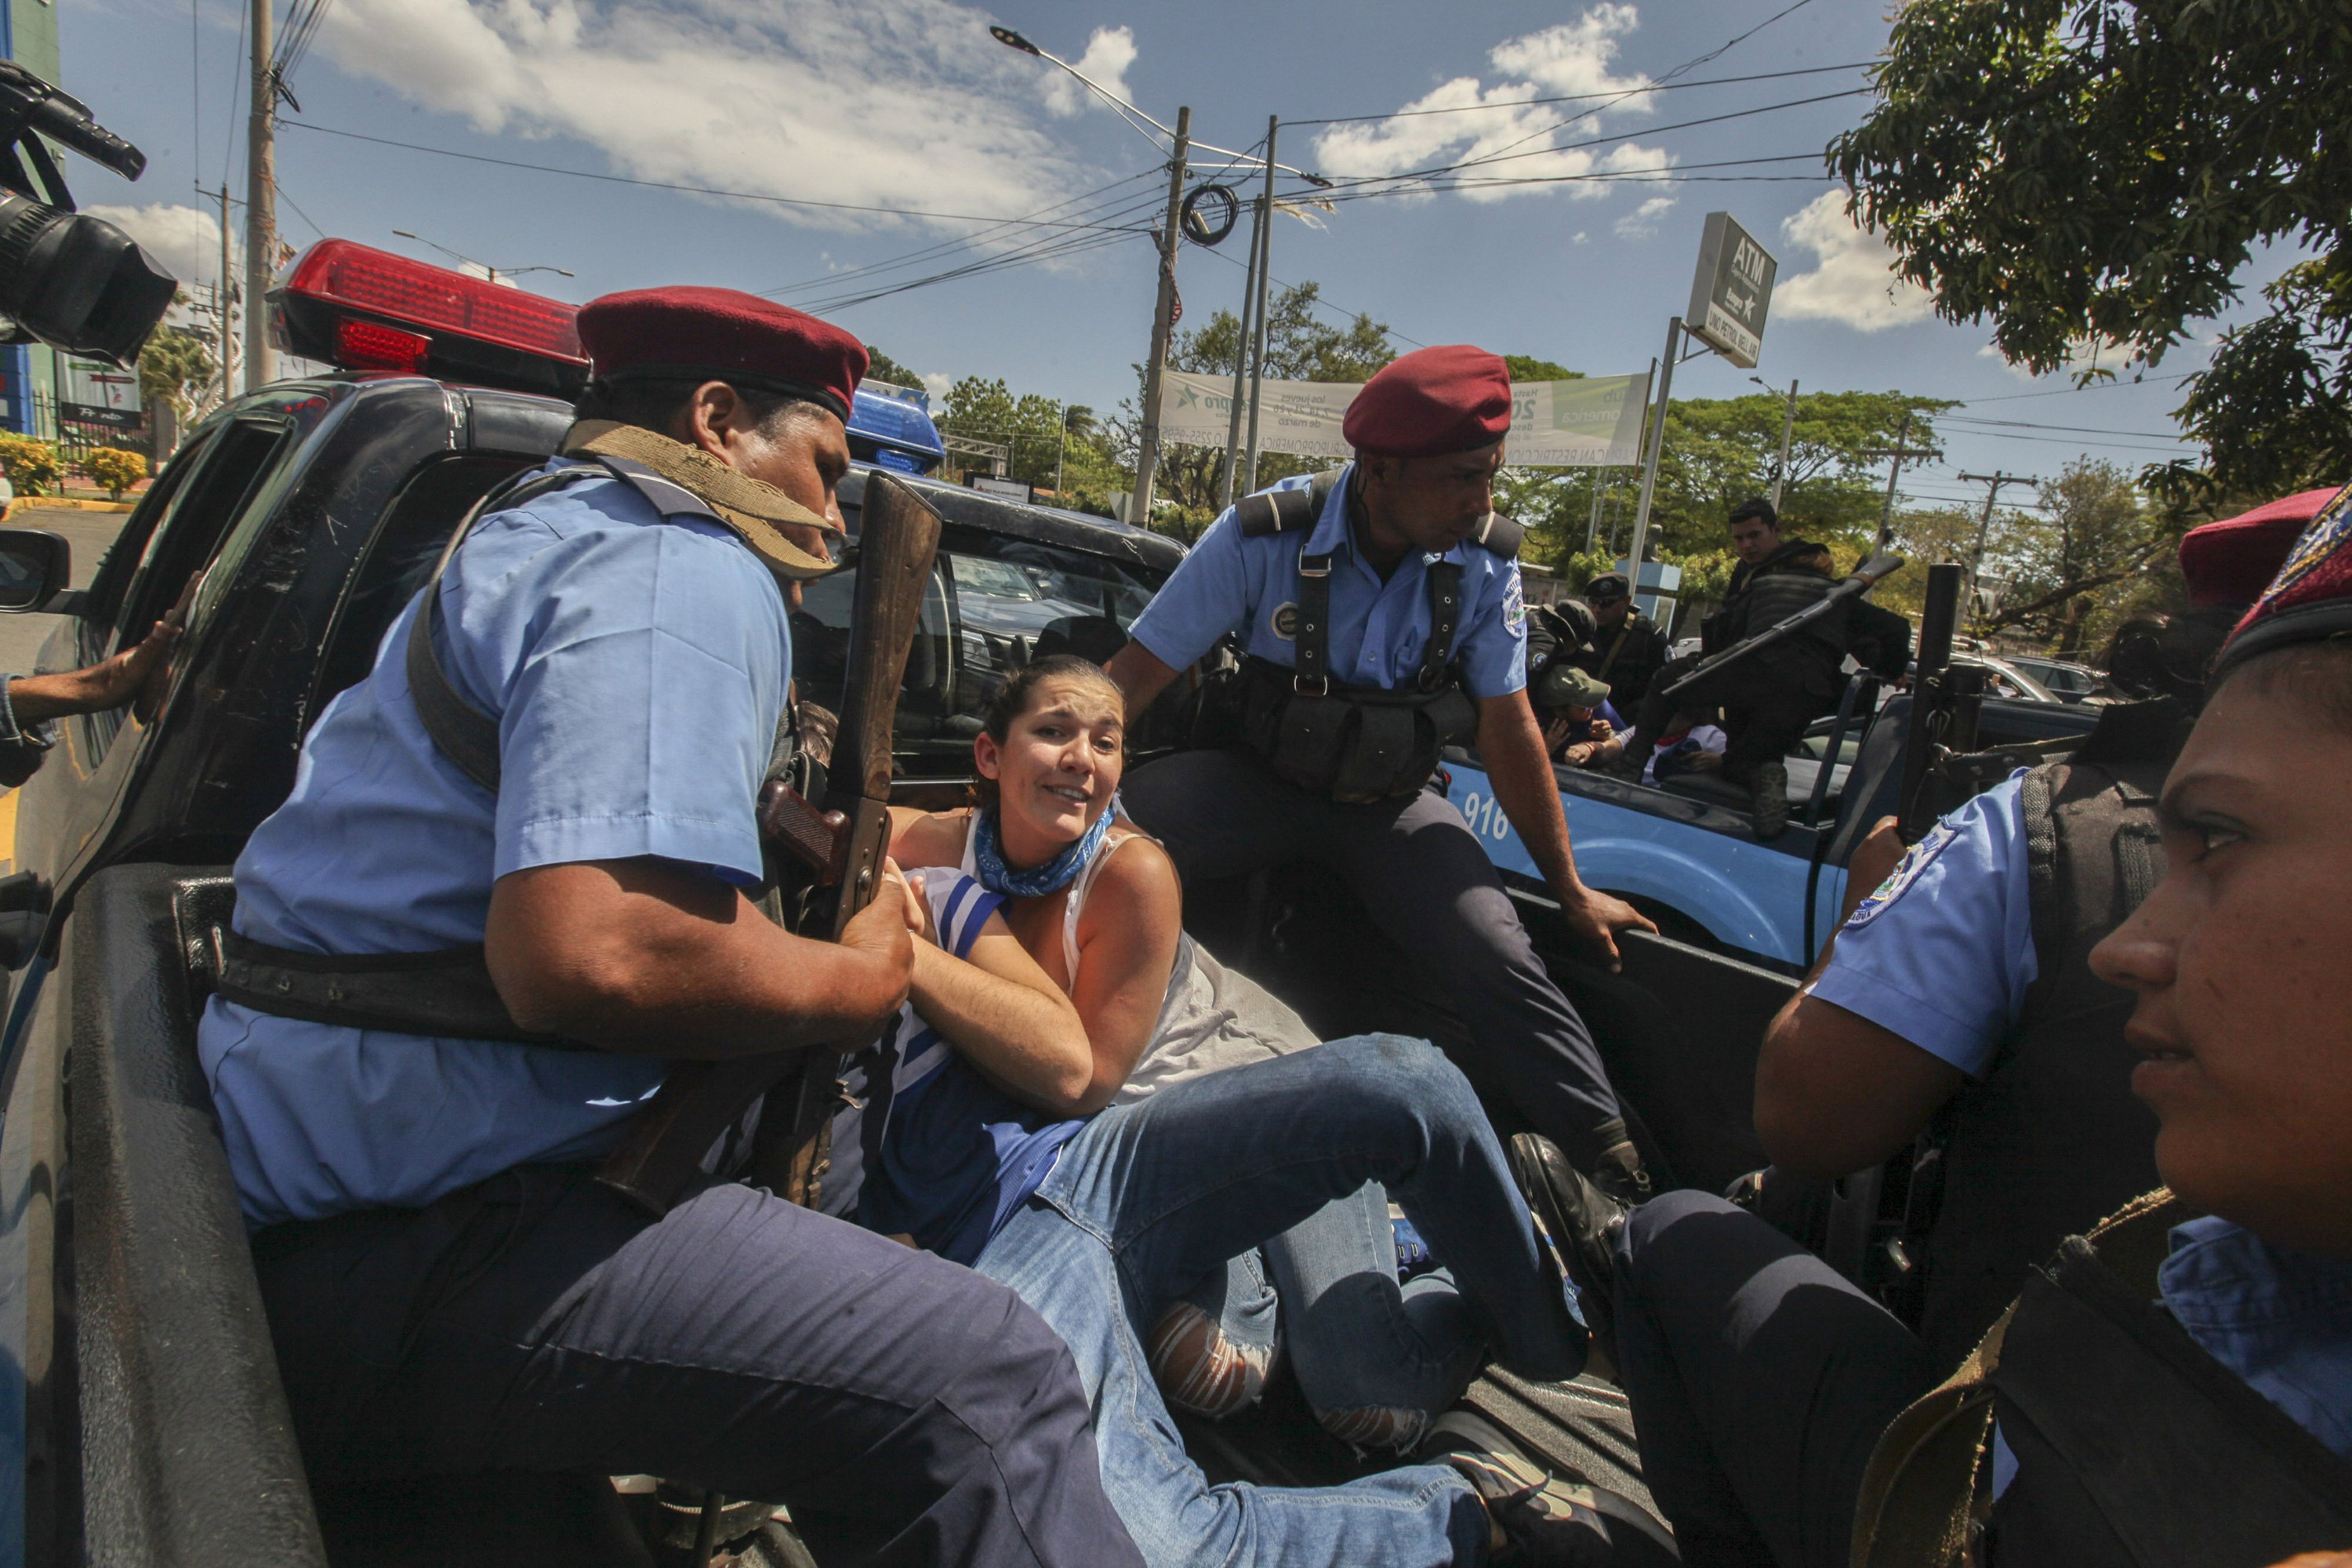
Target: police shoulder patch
x=1515 y=604
x=1907 y=870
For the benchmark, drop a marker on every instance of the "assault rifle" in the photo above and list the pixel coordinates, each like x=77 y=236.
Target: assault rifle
x=1866 y=576
x=841 y=842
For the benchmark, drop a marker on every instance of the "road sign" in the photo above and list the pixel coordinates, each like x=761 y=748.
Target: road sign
x=1731 y=293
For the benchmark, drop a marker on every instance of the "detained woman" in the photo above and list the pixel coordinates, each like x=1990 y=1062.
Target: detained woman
x=985 y=1127
x=1095 y=903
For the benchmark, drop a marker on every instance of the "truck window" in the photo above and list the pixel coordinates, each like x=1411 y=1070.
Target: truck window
x=112 y=578
x=186 y=541
x=209 y=500
x=397 y=561
x=995 y=602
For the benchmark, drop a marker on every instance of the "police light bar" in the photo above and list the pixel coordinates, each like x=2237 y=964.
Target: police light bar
x=364 y=309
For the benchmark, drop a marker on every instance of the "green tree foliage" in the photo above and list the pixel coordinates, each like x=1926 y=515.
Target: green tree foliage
x=2073 y=563
x=882 y=367
x=2104 y=170
x=1300 y=345
x=1526 y=367
x=1719 y=452
x=173 y=368
x=114 y=470
x=29 y=464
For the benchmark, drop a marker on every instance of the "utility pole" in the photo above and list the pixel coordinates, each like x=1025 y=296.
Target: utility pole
x=1899 y=452
x=1163 y=314
x=223 y=294
x=1650 y=459
x=1265 y=266
x=1992 y=483
x=1788 y=430
x=260 y=205
x=1261 y=211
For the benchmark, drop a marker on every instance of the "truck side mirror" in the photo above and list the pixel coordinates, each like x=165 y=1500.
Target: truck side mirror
x=36 y=565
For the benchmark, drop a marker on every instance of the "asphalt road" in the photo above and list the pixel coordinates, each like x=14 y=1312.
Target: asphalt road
x=89 y=533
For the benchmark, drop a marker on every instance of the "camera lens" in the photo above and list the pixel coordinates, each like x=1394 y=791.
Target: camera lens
x=76 y=282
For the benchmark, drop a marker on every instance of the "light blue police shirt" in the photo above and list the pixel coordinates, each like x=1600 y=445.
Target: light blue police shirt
x=637 y=666
x=1378 y=628
x=1942 y=951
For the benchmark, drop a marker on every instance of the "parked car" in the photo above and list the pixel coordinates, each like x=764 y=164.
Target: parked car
x=2067 y=682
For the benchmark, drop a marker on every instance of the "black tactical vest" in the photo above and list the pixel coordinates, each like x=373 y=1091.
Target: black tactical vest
x=1357 y=744
x=2135 y=1448
x=2052 y=1139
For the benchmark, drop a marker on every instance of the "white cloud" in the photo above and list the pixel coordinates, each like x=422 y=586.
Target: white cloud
x=182 y=241
x=1642 y=221
x=1525 y=141
x=899 y=103
x=938 y=383
x=1109 y=54
x=1853 y=281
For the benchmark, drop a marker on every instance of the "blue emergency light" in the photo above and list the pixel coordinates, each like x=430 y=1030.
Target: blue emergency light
x=890 y=427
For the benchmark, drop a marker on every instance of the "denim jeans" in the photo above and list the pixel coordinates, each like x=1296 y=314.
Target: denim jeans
x=1376 y=1360
x=1151 y=1197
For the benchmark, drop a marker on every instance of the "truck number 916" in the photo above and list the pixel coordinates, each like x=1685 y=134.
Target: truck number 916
x=1485 y=815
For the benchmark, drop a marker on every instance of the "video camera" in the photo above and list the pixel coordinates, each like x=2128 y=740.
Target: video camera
x=68 y=279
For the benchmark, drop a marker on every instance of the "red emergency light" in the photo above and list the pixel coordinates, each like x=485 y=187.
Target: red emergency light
x=365 y=309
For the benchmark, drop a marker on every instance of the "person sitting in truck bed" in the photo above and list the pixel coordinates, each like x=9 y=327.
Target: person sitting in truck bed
x=2178 y=1389
x=1581 y=728
x=1625 y=648
x=1158 y=1009
x=1067 y=1106
x=1693 y=743
x=415 y=1142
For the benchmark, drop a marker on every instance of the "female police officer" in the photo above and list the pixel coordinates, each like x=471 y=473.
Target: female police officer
x=448 y=1288
x=1380 y=611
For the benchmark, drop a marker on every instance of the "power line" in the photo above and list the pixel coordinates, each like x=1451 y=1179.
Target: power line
x=668 y=184
x=2078 y=429
x=291 y=202
x=1097 y=211
x=2094 y=386
x=1582 y=97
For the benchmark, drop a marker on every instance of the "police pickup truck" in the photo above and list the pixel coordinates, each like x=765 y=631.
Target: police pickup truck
x=140 y=1415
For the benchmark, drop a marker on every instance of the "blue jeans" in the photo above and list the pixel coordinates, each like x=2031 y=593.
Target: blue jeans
x=1150 y=1197
x=1377 y=1360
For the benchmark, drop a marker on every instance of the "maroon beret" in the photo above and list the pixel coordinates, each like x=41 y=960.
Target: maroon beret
x=721 y=334
x=2233 y=560
x=2311 y=597
x=1451 y=398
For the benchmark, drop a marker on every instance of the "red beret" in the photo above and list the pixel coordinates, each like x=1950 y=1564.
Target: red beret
x=2233 y=560
x=2310 y=599
x=721 y=334
x=1451 y=398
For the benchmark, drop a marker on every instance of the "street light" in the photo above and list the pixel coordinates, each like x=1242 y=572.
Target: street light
x=1788 y=428
x=490 y=272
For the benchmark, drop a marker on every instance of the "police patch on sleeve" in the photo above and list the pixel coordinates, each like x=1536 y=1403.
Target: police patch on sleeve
x=1515 y=604
x=1907 y=870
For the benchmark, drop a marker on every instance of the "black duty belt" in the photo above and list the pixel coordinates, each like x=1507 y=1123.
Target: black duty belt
x=446 y=992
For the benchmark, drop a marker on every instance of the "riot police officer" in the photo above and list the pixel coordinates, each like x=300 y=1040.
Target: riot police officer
x=1769 y=699
x=1626 y=648
x=448 y=1287
x=1381 y=612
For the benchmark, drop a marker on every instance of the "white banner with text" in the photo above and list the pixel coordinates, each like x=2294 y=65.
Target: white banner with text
x=1594 y=421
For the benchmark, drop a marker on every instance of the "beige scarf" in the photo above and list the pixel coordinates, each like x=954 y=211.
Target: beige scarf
x=750 y=508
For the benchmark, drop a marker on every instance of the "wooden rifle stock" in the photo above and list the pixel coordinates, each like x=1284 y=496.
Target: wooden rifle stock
x=843 y=843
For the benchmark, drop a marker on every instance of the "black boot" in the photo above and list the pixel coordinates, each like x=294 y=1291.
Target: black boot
x=1579 y=1222
x=1771 y=793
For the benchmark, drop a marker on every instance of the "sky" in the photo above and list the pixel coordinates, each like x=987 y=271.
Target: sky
x=867 y=146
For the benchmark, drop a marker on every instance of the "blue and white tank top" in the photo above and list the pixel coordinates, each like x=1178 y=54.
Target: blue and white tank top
x=927 y=1148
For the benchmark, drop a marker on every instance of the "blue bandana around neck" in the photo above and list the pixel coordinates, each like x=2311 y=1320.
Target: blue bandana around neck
x=988 y=857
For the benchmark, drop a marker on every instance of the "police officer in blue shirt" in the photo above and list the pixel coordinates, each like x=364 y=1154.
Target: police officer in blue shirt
x=1959 y=993
x=448 y=1287
x=1380 y=611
